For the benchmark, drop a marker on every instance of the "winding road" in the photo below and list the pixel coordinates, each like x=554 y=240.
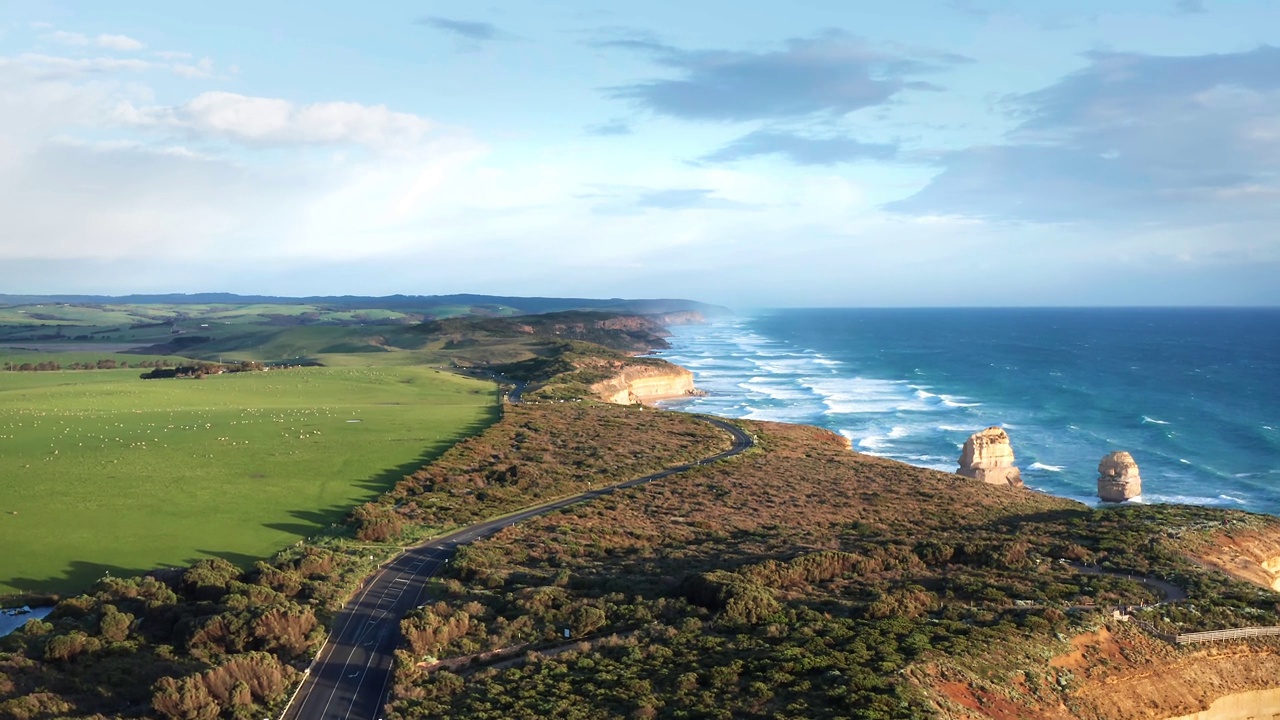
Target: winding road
x=1172 y=593
x=349 y=678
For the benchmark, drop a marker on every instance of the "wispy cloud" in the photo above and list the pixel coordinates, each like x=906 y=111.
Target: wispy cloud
x=613 y=127
x=202 y=69
x=468 y=29
x=831 y=74
x=1131 y=137
x=682 y=199
x=52 y=66
x=1189 y=7
x=970 y=8
x=121 y=43
x=624 y=200
x=800 y=149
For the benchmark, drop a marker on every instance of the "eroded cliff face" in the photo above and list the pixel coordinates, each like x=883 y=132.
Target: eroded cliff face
x=646 y=384
x=681 y=317
x=1120 y=673
x=1234 y=676
x=1241 y=706
x=1250 y=555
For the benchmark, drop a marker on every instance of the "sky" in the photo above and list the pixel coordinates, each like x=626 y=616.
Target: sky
x=799 y=153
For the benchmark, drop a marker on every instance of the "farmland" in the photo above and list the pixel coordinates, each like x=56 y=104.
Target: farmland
x=106 y=473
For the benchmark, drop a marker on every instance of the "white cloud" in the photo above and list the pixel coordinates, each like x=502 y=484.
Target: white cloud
x=122 y=43
x=274 y=121
x=46 y=67
x=104 y=186
x=157 y=183
x=68 y=38
x=194 y=71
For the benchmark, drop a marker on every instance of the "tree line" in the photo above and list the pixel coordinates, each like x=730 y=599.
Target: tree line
x=103 y=364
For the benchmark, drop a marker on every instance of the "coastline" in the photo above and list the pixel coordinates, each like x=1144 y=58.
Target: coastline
x=779 y=366
x=1220 y=698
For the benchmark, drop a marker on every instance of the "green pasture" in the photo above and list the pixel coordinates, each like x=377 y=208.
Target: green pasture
x=77 y=315
x=102 y=472
x=190 y=317
x=80 y=354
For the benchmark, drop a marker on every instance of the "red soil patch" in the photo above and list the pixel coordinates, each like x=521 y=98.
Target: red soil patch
x=985 y=704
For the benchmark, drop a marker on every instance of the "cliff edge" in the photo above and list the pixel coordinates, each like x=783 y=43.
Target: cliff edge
x=645 y=384
x=1252 y=555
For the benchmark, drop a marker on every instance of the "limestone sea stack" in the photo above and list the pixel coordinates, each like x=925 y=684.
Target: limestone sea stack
x=988 y=457
x=1118 y=478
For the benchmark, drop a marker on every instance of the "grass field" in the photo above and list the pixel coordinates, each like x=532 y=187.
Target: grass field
x=103 y=472
x=125 y=315
x=84 y=353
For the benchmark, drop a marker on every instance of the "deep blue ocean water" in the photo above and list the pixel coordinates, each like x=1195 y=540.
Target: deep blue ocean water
x=1193 y=394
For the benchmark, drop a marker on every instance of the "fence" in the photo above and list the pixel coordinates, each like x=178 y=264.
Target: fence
x=1235 y=634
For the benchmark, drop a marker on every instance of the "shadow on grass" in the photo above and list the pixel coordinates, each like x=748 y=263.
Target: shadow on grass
x=77 y=577
x=385 y=480
x=240 y=560
x=313 y=521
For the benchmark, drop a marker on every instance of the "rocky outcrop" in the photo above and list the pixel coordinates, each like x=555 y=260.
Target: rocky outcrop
x=1118 y=672
x=1252 y=555
x=1143 y=681
x=988 y=456
x=684 y=317
x=1118 y=478
x=646 y=384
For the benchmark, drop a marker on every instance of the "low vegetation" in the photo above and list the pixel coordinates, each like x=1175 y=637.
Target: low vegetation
x=803 y=581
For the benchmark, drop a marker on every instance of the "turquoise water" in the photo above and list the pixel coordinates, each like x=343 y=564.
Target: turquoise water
x=1193 y=394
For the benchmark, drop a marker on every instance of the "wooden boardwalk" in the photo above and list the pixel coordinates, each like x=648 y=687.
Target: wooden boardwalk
x=1234 y=634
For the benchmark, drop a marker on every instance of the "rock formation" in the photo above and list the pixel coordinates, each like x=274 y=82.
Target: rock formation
x=988 y=457
x=646 y=384
x=1118 y=478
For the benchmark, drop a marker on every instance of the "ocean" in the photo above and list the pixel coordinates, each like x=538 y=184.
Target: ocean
x=1193 y=394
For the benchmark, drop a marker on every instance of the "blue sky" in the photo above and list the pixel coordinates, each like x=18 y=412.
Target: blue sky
x=963 y=152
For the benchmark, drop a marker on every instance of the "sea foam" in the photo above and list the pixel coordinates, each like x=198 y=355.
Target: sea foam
x=1049 y=468
x=867 y=373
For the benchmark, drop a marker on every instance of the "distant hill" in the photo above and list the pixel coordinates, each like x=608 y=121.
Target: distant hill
x=617 y=331
x=424 y=304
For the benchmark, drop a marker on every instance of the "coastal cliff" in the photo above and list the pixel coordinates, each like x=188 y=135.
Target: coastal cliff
x=645 y=384
x=1251 y=555
x=1118 y=672
x=1125 y=674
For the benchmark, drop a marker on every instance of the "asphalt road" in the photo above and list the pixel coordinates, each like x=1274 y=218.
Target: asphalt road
x=1172 y=593
x=351 y=674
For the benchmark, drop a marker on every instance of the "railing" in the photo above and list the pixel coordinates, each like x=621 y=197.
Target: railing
x=1211 y=635
x=1206 y=636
